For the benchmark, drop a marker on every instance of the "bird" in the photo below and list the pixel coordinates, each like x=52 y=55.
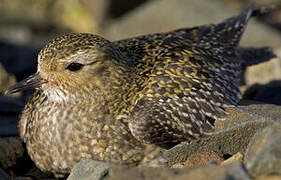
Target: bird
x=121 y=101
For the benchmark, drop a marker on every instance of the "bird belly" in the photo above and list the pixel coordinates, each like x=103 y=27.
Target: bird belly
x=61 y=138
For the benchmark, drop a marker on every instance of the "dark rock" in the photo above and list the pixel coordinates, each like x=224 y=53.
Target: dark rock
x=121 y=7
x=263 y=156
x=4 y=175
x=10 y=109
x=34 y=173
x=14 y=159
x=8 y=126
x=255 y=55
x=20 y=61
x=10 y=105
x=11 y=149
x=268 y=93
x=88 y=169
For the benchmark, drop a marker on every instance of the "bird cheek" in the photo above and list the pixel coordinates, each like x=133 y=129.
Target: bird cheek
x=44 y=75
x=51 y=78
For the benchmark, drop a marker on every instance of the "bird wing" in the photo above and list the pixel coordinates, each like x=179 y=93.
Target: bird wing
x=191 y=76
x=188 y=90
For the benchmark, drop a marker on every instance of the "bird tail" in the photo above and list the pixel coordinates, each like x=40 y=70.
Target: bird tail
x=255 y=55
x=230 y=31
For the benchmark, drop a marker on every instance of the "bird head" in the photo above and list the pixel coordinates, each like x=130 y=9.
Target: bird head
x=71 y=64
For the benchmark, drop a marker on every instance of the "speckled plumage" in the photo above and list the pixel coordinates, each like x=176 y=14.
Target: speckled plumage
x=132 y=95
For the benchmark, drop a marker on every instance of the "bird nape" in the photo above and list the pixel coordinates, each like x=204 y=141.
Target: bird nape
x=122 y=101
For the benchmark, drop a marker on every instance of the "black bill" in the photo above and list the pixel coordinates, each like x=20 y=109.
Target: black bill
x=32 y=81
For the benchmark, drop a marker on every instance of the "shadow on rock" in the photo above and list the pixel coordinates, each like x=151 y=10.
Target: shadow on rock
x=268 y=93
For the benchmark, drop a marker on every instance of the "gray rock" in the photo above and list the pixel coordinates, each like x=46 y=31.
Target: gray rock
x=231 y=135
x=165 y=15
x=88 y=169
x=263 y=156
x=228 y=172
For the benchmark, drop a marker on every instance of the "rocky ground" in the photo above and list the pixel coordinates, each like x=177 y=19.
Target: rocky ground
x=245 y=146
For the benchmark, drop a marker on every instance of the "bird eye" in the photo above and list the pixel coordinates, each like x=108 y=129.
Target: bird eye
x=74 y=66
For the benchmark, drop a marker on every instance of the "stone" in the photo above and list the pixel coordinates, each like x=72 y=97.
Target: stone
x=4 y=175
x=15 y=161
x=263 y=156
x=18 y=60
x=121 y=7
x=10 y=109
x=231 y=171
x=200 y=159
x=35 y=173
x=269 y=177
x=88 y=169
x=27 y=178
x=11 y=150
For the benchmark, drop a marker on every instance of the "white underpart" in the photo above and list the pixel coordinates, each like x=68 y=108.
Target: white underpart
x=56 y=95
